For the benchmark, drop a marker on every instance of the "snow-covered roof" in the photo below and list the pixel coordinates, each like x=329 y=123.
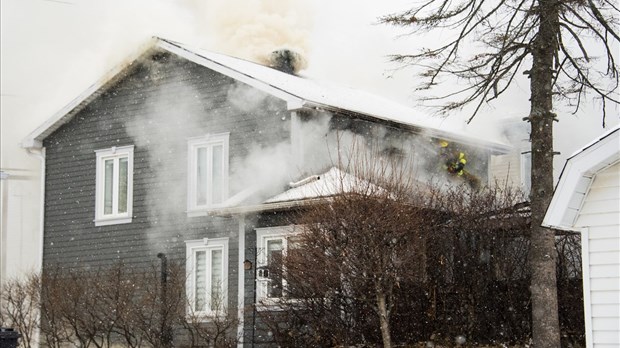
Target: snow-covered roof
x=297 y=91
x=328 y=184
x=577 y=176
x=310 y=190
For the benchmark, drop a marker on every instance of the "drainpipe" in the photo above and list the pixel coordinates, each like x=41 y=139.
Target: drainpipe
x=241 y=283
x=166 y=330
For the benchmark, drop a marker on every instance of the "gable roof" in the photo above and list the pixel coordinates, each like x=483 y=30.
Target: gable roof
x=577 y=176
x=297 y=91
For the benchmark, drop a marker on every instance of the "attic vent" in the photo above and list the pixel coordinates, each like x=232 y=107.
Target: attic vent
x=286 y=61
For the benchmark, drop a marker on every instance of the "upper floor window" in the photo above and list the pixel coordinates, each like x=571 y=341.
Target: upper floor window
x=208 y=171
x=114 y=185
x=207 y=267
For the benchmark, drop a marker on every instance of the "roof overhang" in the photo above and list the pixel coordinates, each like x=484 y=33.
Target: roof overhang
x=577 y=176
x=34 y=140
x=294 y=102
x=266 y=207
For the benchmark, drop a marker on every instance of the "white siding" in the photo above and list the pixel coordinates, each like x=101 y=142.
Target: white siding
x=505 y=169
x=600 y=214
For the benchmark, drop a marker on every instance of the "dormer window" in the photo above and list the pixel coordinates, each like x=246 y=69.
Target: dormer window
x=114 y=185
x=208 y=171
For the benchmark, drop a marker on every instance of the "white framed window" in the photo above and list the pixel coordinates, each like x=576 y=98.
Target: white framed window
x=207 y=282
x=207 y=171
x=272 y=244
x=114 y=185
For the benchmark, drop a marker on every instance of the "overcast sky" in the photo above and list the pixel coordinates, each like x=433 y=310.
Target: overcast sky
x=52 y=50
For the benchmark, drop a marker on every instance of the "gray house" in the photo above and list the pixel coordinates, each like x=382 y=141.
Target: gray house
x=200 y=156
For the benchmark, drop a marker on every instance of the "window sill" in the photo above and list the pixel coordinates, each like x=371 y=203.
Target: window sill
x=113 y=221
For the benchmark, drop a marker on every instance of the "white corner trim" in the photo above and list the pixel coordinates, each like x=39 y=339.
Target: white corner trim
x=585 y=271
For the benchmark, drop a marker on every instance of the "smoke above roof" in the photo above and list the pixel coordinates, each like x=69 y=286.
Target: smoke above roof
x=262 y=31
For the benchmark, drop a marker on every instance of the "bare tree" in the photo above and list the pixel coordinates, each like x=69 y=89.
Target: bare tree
x=218 y=330
x=362 y=244
x=120 y=304
x=556 y=37
x=19 y=309
x=367 y=239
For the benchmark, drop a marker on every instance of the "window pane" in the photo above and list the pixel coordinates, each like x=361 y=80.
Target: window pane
x=201 y=176
x=122 y=185
x=216 y=280
x=218 y=174
x=200 y=288
x=107 y=190
x=274 y=262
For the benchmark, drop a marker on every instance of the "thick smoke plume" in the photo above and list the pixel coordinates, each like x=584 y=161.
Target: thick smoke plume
x=254 y=29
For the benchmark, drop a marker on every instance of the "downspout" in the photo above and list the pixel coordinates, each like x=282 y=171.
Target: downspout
x=40 y=154
x=241 y=283
x=166 y=331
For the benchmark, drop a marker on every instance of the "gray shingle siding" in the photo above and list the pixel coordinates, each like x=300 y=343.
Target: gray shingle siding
x=127 y=114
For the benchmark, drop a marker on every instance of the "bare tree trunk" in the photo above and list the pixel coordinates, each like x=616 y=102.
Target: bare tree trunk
x=545 y=323
x=384 y=319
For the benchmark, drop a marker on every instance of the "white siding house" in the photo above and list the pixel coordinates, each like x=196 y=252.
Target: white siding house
x=587 y=199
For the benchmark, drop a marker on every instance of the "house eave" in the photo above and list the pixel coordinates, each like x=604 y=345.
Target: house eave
x=294 y=102
x=266 y=207
x=34 y=140
x=495 y=148
x=579 y=171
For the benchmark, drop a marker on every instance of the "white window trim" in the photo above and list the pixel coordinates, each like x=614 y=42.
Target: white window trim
x=206 y=244
x=263 y=235
x=193 y=144
x=115 y=152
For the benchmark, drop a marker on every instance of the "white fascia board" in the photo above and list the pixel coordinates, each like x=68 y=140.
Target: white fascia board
x=259 y=208
x=292 y=100
x=35 y=138
x=585 y=164
x=495 y=147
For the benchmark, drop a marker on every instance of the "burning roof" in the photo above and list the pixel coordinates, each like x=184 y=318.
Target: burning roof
x=297 y=91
